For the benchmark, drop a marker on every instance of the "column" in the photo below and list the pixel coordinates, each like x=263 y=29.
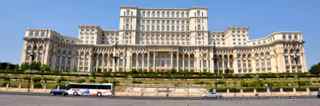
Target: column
x=228 y=62
x=189 y=62
x=177 y=61
x=246 y=60
x=201 y=63
x=113 y=63
x=24 y=53
x=213 y=63
x=208 y=63
x=241 y=64
x=103 y=62
x=142 y=62
x=129 y=61
x=302 y=62
x=154 y=61
x=197 y=62
x=148 y=61
x=289 y=60
x=137 y=61
x=253 y=65
x=123 y=60
x=97 y=62
x=281 y=67
x=217 y=62
x=108 y=63
x=183 y=63
x=79 y=60
x=223 y=67
x=171 y=60
x=89 y=63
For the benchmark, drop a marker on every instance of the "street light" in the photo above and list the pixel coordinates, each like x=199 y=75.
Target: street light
x=215 y=60
x=32 y=56
x=115 y=58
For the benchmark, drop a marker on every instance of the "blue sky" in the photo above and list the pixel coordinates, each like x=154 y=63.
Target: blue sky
x=261 y=16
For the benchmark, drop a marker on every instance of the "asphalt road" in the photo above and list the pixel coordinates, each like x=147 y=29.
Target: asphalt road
x=11 y=99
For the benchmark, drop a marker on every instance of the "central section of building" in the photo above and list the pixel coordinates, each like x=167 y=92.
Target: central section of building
x=165 y=39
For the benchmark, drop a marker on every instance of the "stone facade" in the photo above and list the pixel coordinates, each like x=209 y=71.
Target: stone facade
x=165 y=39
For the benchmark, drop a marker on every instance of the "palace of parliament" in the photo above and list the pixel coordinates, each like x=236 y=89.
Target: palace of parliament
x=165 y=39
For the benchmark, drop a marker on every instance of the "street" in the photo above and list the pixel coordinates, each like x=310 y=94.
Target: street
x=45 y=100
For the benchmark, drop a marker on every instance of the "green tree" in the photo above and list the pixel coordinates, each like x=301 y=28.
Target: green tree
x=44 y=68
x=24 y=66
x=8 y=66
x=315 y=69
x=35 y=66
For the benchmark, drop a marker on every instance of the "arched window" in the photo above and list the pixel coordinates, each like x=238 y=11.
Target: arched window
x=172 y=14
x=148 y=14
x=177 y=14
x=267 y=53
x=285 y=51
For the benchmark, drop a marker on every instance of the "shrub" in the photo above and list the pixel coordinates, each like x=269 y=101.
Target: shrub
x=81 y=80
x=261 y=89
x=304 y=83
x=234 y=90
x=37 y=85
x=36 y=79
x=275 y=89
x=314 y=88
x=221 y=89
x=301 y=89
x=200 y=82
x=137 y=82
x=287 y=89
x=105 y=81
x=92 y=80
x=248 y=89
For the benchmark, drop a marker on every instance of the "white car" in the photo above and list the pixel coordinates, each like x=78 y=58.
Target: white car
x=213 y=95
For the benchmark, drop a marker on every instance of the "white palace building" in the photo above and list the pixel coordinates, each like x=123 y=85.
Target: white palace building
x=165 y=39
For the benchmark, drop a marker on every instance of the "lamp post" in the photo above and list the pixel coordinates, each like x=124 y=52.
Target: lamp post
x=215 y=60
x=297 y=61
x=31 y=54
x=115 y=59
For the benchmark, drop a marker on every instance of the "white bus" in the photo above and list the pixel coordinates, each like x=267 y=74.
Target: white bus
x=90 y=89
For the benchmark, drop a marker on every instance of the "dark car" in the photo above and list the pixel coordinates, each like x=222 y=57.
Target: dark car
x=318 y=94
x=59 y=91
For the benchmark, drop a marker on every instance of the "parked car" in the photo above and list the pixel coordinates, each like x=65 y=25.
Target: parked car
x=318 y=94
x=59 y=91
x=213 y=95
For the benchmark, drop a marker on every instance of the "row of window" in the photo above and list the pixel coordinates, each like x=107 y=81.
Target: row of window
x=290 y=36
x=88 y=30
x=181 y=42
x=164 y=28
x=38 y=33
x=294 y=60
x=238 y=31
x=163 y=21
x=175 y=14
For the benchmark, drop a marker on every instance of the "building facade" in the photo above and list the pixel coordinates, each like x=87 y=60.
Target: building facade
x=165 y=39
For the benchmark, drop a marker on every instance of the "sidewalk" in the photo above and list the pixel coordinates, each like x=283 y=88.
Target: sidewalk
x=178 y=93
x=24 y=90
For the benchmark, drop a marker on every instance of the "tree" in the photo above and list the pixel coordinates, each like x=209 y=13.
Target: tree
x=315 y=69
x=44 y=68
x=24 y=66
x=35 y=66
x=8 y=66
